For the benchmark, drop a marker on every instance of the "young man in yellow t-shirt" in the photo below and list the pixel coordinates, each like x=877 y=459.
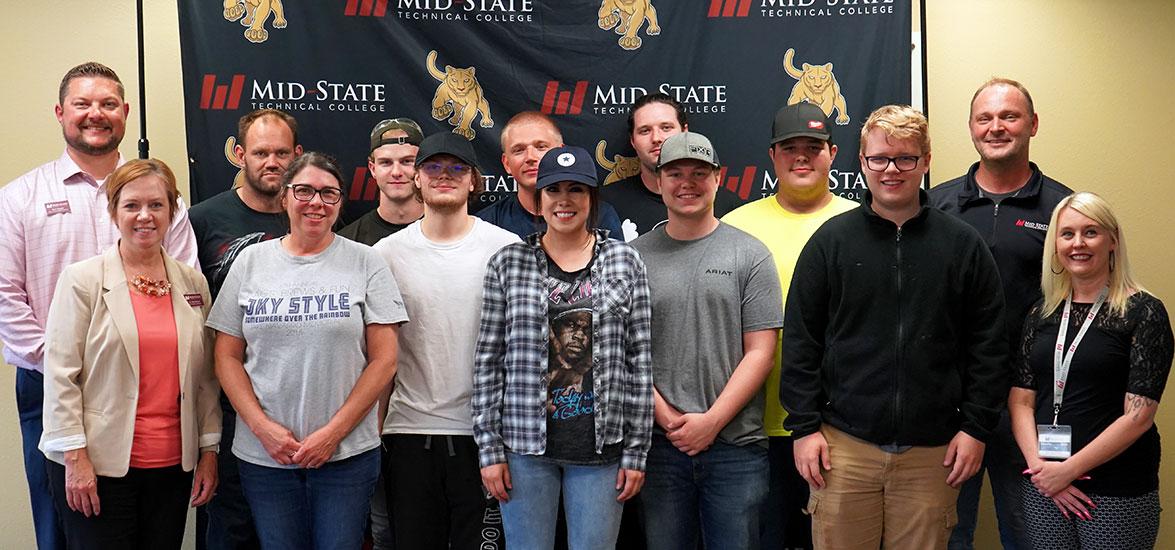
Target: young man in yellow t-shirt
x=801 y=152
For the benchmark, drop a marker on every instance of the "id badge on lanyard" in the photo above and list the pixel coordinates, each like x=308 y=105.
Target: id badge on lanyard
x=1055 y=441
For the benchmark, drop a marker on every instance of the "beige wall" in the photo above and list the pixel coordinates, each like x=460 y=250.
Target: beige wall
x=1100 y=76
x=1099 y=72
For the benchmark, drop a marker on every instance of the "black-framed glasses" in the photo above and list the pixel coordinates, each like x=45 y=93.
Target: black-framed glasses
x=455 y=170
x=903 y=164
x=305 y=193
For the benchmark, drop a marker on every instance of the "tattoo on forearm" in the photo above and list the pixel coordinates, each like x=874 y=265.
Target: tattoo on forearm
x=1136 y=403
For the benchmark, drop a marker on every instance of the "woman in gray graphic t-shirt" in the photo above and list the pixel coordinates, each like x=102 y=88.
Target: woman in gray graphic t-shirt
x=306 y=344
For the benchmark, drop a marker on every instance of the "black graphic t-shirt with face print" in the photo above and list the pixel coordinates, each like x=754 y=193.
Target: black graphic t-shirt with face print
x=571 y=397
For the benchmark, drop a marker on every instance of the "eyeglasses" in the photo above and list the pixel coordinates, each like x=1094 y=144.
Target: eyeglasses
x=305 y=193
x=456 y=170
x=881 y=164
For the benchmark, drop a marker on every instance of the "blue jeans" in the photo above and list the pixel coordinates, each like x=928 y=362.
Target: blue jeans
x=324 y=508
x=716 y=493
x=589 y=500
x=30 y=397
x=1003 y=462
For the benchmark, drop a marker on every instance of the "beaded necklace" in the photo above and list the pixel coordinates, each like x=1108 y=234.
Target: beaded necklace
x=150 y=286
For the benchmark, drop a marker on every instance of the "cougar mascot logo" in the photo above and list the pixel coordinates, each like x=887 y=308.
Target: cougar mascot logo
x=817 y=85
x=628 y=16
x=255 y=12
x=619 y=168
x=458 y=95
x=229 y=145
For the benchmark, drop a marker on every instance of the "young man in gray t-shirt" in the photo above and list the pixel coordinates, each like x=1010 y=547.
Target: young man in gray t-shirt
x=717 y=309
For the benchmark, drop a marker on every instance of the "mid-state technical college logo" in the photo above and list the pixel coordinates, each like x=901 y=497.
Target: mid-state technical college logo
x=216 y=97
x=618 y=100
x=486 y=11
x=627 y=17
x=816 y=85
x=619 y=167
x=255 y=13
x=729 y=8
x=1032 y=225
x=799 y=8
x=460 y=95
x=321 y=95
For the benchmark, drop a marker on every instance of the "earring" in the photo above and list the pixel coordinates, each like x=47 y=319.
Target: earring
x=1111 y=261
x=1055 y=272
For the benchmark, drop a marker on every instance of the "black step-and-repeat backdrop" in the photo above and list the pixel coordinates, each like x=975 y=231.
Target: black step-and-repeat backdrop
x=467 y=66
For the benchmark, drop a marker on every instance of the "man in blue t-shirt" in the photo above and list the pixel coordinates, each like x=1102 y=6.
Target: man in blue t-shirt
x=525 y=138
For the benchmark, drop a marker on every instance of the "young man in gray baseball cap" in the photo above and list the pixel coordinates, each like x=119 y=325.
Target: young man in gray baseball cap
x=716 y=314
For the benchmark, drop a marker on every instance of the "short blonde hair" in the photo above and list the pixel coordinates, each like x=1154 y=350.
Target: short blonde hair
x=1055 y=281
x=138 y=168
x=899 y=122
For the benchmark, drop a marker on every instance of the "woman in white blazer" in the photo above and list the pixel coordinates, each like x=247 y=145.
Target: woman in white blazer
x=131 y=421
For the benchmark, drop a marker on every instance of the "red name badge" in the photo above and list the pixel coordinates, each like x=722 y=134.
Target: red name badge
x=194 y=300
x=57 y=207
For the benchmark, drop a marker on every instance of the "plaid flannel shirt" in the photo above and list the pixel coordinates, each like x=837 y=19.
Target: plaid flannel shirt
x=509 y=392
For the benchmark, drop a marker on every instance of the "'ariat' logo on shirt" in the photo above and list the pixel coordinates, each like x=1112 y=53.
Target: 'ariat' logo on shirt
x=719 y=272
x=1032 y=225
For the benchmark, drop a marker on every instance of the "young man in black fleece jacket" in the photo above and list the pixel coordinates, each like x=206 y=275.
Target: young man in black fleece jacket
x=894 y=354
x=1009 y=201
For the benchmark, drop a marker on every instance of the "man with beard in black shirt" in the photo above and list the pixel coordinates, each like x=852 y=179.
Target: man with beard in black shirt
x=267 y=141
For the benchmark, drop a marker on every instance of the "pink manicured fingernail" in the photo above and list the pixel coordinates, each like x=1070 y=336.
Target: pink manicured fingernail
x=1026 y=471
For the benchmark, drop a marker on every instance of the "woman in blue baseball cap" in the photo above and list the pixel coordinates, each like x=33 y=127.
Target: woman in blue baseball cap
x=563 y=395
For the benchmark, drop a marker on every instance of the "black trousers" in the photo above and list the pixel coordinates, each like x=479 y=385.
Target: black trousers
x=436 y=497
x=145 y=509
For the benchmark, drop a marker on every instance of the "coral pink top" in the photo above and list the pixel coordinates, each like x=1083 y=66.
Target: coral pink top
x=157 y=441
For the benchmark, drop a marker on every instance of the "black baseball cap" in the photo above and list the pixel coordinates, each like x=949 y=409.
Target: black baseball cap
x=567 y=163
x=446 y=143
x=800 y=120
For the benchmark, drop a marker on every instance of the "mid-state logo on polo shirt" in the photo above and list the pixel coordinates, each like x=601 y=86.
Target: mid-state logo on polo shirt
x=1032 y=225
x=568 y=98
x=253 y=14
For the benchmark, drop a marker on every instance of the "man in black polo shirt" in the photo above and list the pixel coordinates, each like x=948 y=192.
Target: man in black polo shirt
x=1009 y=201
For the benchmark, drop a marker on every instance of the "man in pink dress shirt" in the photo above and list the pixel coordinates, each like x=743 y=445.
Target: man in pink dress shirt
x=51 y=217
